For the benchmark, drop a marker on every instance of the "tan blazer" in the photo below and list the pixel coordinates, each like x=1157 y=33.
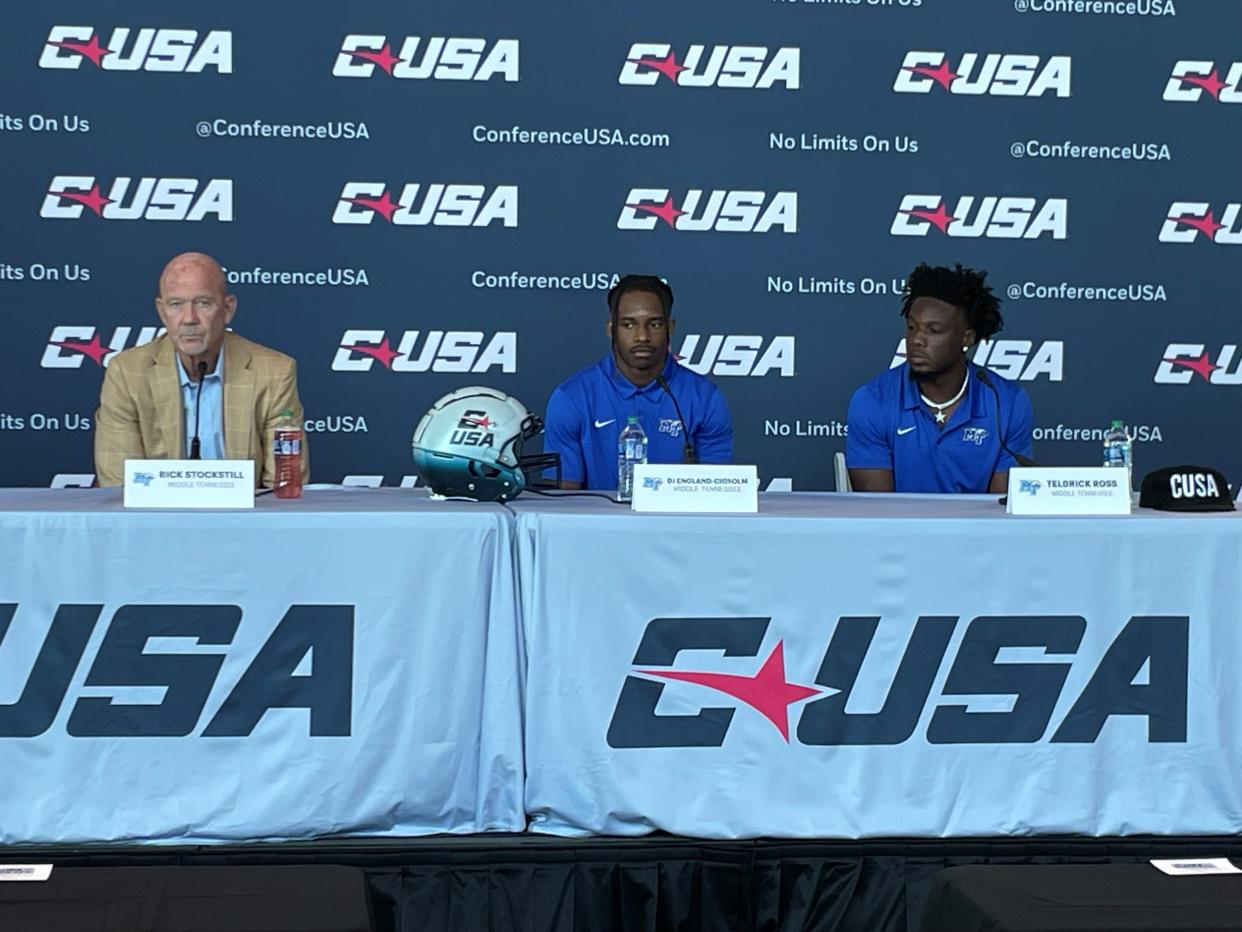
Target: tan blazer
x=140 y=410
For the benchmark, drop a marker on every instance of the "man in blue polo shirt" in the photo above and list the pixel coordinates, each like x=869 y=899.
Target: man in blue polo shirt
x=938 y=423
x=587 y=413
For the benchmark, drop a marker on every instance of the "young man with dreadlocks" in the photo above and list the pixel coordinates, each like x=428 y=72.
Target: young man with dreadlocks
x=931 y=424
x=639 y=376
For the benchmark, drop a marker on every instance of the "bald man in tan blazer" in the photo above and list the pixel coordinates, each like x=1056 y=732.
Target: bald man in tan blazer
x=140 y=412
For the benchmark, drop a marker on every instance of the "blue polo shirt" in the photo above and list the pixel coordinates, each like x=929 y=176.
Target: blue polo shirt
x=587 y=413
x=891 y=428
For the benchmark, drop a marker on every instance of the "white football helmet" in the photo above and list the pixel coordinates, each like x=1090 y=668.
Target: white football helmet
x=469 y=445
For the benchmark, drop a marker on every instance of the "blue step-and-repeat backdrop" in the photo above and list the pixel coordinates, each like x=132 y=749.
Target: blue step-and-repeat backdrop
x=409 y=198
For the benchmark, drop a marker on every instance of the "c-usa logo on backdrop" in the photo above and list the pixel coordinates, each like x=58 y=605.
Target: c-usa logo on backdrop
x=718 y=211
x=143 y=49
x=420 y=204
x=989 y=216
x=130 y=198
x=441 y=351
x=1181 y=362
x=1021 y=360
x=734 y=354
x=1187 y=219
x=976 y=73
x=1191 y=77
x=736 y=66
x=68 y=346
x=442 y=58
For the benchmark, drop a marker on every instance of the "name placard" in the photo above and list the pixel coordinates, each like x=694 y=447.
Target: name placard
x=20 y=872
x=696 y=489
x=189 y=484
x=1195 y=867
x=1068 y=490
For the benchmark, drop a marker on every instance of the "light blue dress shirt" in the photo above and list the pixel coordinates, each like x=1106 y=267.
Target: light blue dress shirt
x=210 y=412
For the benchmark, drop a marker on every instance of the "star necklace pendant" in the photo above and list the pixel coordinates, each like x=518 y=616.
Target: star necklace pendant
x=940 y=406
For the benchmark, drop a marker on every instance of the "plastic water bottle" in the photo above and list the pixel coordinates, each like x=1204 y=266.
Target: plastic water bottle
x=287 y=447
x=1117 y=446
x=631 y=451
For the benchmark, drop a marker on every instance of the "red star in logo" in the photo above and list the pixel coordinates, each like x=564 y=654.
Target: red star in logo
x=1200 y=365
x=667 y=66
x=768 y=692
x=1206 y=225
x=1212 y=83
x=385 y=206
x=92 y=198
x=384 y=57
x=942 y=75
x=91 y=50
x=940 y=217
x=384 y=353
x=666 y=211
x=483 y=421
x=94 y=349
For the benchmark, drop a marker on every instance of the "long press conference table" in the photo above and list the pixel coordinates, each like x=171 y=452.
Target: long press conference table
x=347 y=663
x=372 y=662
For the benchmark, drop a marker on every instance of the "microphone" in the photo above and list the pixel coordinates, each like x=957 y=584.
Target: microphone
x=196 y=444
x=687 y=449
x=986 y=379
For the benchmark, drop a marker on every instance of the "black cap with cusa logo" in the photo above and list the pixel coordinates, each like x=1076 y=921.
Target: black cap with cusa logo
x=1186 y=488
